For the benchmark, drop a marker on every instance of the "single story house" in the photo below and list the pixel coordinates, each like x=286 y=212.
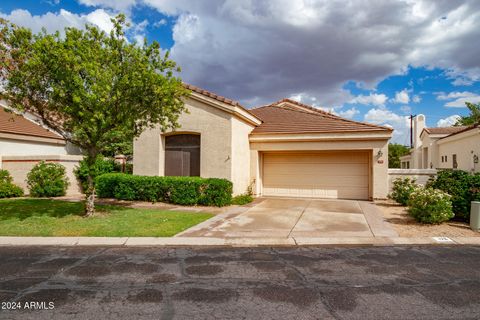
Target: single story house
x=443 y=147
x=283 y=149
x=23 y=135
x=24 y=142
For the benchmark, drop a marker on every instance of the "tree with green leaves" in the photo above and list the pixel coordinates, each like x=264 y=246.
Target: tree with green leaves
x=95 y=89
x=395 y=151
x=472 y=118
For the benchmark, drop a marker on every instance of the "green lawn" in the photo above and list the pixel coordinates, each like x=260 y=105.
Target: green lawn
x=42 y=217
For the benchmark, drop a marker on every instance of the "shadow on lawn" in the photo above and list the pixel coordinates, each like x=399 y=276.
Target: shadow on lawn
x=22 y=209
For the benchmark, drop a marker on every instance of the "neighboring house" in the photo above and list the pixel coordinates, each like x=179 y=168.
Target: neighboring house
x=283 y=149
x=24 y=142
x=442 y=148
x=21 y=135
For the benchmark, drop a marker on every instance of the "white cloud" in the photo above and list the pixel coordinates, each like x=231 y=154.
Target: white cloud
x=401 y=97
x=160 y=23
x=372 y=99
x=416 y=99
x=349 y=113
x=464 y=78
x=58 y=21
x=119 y=5
x=457 y=99
x=400 y=124
x=187 y=28
x=448 y=121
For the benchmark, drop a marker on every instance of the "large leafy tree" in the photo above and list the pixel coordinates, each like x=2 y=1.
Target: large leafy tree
x=472 y=118
x=395 y=151
x=95 y=89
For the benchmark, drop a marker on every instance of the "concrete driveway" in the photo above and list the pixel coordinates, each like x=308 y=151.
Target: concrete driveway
x=296 y=218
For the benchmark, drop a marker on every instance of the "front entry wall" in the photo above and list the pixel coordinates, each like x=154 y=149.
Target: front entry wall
x=330 y=174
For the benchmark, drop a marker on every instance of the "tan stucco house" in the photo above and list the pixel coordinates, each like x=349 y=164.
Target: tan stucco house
x=443 y=147
x=282 y=149
x=24 y=142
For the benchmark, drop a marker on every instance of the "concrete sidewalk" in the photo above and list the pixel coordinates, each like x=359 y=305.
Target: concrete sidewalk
x=232 y=242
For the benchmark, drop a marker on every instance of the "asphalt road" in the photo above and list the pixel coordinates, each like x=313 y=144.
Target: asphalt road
x=240 y=283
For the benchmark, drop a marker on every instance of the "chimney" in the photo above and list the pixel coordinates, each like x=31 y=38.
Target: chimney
x=418 y=126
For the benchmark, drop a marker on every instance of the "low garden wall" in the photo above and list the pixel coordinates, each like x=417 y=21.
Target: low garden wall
x=20 y=166
x=420 y=175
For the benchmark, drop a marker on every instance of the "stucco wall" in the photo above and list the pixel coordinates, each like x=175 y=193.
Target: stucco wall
x=146 y=153
x=215 y=129
x=465 y=146
x=24 y=148
x=240 y=156
x=420 y=175
x=379 y=166
x=20 y=166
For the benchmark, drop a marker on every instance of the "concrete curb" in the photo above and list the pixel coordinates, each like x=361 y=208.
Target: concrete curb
x=231 y=242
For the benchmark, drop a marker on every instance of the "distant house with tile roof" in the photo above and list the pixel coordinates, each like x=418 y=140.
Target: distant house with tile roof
x=455 y=147
x=23 y=135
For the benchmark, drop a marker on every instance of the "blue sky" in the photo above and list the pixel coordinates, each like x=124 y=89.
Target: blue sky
x=375 y=61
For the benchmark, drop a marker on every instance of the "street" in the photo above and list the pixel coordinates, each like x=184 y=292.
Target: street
x=423 y=282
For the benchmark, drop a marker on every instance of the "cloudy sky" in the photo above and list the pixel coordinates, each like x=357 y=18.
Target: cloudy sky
x=368 y=60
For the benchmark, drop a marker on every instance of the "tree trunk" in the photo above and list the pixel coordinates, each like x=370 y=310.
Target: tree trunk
x=90 y=192
x=90 y=198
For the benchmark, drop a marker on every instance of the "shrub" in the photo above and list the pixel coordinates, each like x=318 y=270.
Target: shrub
x=177 y=190
x=7 y=188
x=47 y=180
x=428 y=205
x=402 y=188
x=102 y=166
x=242 y=199
x=461 y=186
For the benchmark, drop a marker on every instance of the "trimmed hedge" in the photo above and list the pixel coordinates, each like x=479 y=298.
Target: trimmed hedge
x=177 y=190
x=462 y=186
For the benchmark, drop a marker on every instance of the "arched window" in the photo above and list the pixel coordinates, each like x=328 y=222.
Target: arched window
x=182 y=155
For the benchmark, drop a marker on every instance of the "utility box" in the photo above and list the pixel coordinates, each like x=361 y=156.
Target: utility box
x=475 y=216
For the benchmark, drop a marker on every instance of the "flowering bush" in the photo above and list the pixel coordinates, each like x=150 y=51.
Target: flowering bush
x=402 y=188
x=47 y=179
x=428 y=205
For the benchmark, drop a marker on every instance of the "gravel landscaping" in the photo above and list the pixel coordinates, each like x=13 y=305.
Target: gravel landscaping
x=406 y=226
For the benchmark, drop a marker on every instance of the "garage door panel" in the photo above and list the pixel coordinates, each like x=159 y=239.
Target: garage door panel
x=327 y=175
x=306 y=182
x=320 y=170
x=345 y=193
x=325 y=158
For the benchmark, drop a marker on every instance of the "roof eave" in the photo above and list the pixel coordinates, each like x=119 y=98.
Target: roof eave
x=236 y=110
x=320 y=136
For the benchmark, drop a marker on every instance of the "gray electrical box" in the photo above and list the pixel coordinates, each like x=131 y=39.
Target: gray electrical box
x=475 y=216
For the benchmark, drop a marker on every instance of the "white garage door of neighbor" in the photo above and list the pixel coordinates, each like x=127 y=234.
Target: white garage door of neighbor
x=338 y=174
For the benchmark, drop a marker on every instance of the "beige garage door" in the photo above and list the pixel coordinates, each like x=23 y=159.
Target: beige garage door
x=339 y=174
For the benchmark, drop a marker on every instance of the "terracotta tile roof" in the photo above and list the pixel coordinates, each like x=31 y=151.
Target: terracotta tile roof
x=462 y=129
x=294 y=117
x=212 y=95
x=16 y=124
x=444 y=130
